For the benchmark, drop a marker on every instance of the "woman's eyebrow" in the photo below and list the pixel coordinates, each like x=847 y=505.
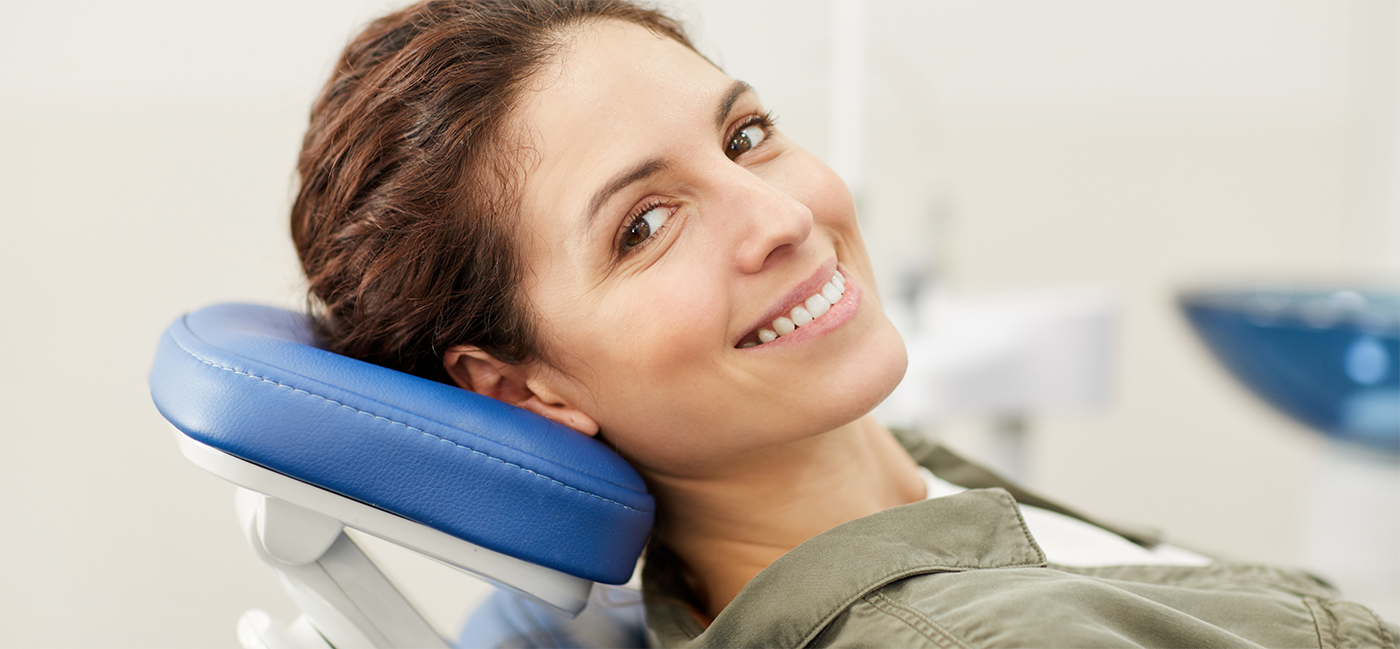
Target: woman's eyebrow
x=640 y=172
x=656 y=165
x=736 y=91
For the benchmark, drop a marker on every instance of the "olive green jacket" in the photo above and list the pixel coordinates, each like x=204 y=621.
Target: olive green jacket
x=963 y=571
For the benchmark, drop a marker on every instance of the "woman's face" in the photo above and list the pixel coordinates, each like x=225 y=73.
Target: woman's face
x=665 y=222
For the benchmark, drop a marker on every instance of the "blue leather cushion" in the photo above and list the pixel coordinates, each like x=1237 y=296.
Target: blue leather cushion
x=249 y=380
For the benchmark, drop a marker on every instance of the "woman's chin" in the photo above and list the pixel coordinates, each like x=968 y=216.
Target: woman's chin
x=850 y=383
x=872 y=372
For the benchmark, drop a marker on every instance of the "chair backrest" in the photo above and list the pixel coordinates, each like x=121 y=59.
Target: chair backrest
x=250 y=381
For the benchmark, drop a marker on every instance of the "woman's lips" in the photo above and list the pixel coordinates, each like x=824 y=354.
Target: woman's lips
x=825 y=305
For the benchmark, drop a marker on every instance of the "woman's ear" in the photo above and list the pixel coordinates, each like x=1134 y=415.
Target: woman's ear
x=524 y=386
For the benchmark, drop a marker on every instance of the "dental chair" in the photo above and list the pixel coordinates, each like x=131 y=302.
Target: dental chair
x=318 y=443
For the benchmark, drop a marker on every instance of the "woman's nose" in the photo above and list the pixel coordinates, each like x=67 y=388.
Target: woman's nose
x=768 y=223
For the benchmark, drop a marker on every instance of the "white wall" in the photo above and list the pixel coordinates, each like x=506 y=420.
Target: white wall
x=146 y=151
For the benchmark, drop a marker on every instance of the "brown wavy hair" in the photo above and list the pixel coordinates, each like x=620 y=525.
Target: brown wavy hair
x=409 y=180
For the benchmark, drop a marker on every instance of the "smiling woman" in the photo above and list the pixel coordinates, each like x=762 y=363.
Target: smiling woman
x=666 y=223
x=561 y=205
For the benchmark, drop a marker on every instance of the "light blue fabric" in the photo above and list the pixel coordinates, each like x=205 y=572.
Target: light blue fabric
x=614 y=618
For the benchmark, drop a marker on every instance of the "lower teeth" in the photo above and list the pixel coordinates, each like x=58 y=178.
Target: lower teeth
x=799 y=316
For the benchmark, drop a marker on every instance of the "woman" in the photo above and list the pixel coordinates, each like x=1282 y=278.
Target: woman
x=561 y=205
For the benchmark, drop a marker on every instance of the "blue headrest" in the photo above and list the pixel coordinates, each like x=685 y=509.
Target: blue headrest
x=249 y=380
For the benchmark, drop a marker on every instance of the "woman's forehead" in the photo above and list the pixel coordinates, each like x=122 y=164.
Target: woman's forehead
x=601 y=59
x=616 y=96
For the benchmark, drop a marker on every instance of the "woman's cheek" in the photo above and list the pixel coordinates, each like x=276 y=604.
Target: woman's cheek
x=670 y=324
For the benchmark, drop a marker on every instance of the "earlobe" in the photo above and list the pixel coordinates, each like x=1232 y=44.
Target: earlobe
x=523 y=386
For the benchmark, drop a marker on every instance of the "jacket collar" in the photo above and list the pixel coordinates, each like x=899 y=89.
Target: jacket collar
x=793 y=599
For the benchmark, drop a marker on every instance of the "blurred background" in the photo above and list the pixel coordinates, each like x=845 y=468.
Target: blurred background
x=1065 y=166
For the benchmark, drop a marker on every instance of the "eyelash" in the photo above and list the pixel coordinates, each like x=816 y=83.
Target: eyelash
x=765 y=120
x=631 y=222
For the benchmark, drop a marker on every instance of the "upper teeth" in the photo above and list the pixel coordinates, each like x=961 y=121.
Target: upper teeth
x=810 y=309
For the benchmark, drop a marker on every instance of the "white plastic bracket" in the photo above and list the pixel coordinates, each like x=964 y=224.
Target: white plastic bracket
x=566 y=593
x=291 y=534
x=257 y=630
x=345 y=596
x=298 y=530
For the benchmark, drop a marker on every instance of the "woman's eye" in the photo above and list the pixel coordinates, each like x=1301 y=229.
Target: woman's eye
x=747 y=138
x=643 y=226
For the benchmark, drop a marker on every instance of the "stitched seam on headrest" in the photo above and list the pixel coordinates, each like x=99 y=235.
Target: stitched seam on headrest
x=417 y=430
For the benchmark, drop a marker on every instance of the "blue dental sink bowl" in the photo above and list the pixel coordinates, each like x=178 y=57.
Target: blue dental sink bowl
x=1329 y=359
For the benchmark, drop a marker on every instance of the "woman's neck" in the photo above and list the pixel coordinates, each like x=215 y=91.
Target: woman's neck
x=728 y=529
